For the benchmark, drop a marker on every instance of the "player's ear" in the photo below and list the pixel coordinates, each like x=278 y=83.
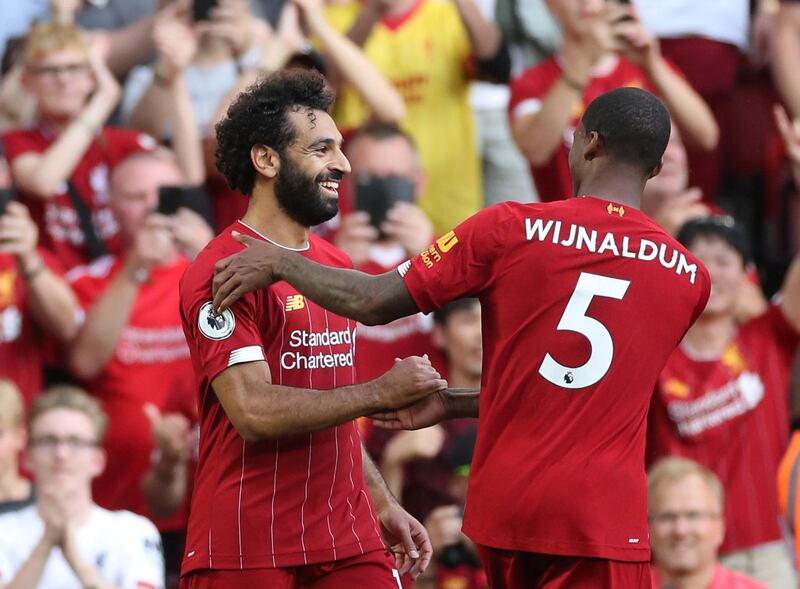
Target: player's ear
x=266 y=160
x=656 y=171
x=593 y=146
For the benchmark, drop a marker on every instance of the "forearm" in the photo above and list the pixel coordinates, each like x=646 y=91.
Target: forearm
x=690 y=112
x=539 y=135
x=371 y=300
x=87 y=574
x=365 y=22
x=786 y=56
x=484 y=36
x=378 y=487
x=153 y=111
x=266 y=411
x=44 y=174
x=462 y=402
x=186 y=140
x=98 y=336
x=353 y=67
x=52 y=302
x=131 y=46
x=165 y=486
x=30 y=573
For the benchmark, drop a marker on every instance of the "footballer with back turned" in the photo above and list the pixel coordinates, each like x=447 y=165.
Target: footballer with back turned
x=582 y=300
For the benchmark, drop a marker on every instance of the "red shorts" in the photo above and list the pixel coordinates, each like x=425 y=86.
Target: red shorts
x=374 y=569
x=509 y=569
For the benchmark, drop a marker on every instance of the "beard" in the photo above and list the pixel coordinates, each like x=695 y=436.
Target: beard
x=301 y=197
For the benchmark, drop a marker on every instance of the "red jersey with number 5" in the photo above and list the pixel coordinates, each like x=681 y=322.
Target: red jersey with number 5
x=582 y=302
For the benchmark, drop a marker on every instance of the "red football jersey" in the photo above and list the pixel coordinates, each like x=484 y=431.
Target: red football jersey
x=582 y=302
x=59 y=227
x=21 y=340
x=553 y=181
x=730 y=414
x=281 y=502
x=150 y=364
x=379 y=345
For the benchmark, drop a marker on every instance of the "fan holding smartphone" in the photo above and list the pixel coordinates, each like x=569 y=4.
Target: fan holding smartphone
x=387 y=178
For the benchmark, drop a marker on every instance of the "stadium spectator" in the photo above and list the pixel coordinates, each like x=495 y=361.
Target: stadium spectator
x=167 y=484
x=786 y=52
x=385 y=170
x=722 y=400
x=530 y=29
x=275 y=378
x=708 y=42
x=504 y=171
x=65 y=540
x=36 y=304
x=686 y=505
x=415 y=464
x=522 y=260
x=605 y=47
x=424 y=47
x=62 y=165
x=130 y=350
x=16 y=491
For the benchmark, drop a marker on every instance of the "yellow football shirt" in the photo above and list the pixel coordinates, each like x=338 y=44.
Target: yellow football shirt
x=425 y=54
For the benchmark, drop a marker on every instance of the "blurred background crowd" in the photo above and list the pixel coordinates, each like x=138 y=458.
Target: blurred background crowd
x=108 y=189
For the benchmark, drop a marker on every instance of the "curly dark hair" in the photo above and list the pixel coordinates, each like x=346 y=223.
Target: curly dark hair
x=260 y=115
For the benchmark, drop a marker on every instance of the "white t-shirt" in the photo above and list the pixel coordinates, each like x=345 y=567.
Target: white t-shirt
x=727 y=21
x=124 y=547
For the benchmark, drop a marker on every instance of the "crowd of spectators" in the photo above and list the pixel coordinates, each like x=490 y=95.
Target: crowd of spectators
x=109 y=189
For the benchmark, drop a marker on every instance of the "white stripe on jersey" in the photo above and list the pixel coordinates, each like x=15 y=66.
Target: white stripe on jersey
x=330 y=495
x=353 y=487
x=210 y=563
x=274 y=492
x=239 y=510
x=246 y=354
x=305 y=498
x=375 y=523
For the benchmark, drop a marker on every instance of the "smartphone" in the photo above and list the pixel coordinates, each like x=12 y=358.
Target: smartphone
x=377 y=194
x=6 y=196
x=194 y=198
x=202 y=8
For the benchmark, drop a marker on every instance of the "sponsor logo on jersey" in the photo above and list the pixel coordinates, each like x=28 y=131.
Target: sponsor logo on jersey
x=676 y=388
x=732 y=358
x=444 y=244
x=213 y=325
x=8 y=279
x=620 y=210
x=295 y=302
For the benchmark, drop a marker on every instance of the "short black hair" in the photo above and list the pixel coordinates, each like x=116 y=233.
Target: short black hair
x=440 y=316
x=720 y=227
x=260 y=115
x=633 y=124
x=380 y=131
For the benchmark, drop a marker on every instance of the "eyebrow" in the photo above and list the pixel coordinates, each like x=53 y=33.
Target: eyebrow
x=326 y=141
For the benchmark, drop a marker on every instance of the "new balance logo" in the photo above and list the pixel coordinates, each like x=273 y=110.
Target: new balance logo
x=295 y=302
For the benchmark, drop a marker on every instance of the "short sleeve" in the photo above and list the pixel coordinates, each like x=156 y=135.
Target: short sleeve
x=17 y=143
x=528 y=90
x=140 y=560
x=123 y=143
x=220 y=341
x=460 y=263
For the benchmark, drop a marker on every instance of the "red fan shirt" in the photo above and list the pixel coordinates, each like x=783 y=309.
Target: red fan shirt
x=21 y=340
x=59 y=228
x=553 y=181
x=280 y=502
x=730 y=414
x=582 y=302
x=150 y=364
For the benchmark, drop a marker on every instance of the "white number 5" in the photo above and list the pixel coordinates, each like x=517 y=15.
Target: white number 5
x=575 y=319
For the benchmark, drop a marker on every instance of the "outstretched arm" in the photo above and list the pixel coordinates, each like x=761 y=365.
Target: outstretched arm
x=371 y=300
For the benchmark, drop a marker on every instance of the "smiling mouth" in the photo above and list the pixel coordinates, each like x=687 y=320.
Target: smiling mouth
x=331 y=187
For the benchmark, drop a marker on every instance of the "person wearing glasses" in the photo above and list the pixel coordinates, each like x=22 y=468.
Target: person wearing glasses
x=686 y=503
x=722 y=399
x=65 y=540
